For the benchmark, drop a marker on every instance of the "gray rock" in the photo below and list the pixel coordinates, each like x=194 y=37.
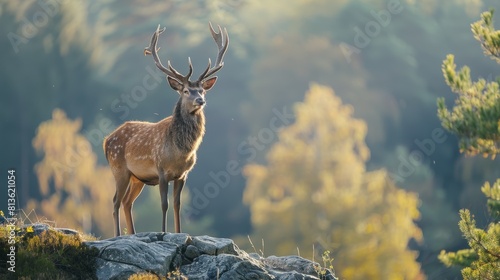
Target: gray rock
x=223 y=267
x=214 y=246
x=39 y=228
x=192 y=252
x=290 y=263
x=295 y=266
x=68 y=231
x=123 y=256
x=177 y=238
x=199 y=257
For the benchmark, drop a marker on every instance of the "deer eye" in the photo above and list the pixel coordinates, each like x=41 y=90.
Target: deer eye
x=186 y=91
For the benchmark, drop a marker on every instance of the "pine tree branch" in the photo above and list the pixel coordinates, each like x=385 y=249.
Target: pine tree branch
x=469 y=226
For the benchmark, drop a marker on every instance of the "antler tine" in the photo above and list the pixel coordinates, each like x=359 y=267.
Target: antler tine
x=190 y=68
x=154 y=39
x=222 y=46
x=218 y=38
x=153 y=50
x=206 y=70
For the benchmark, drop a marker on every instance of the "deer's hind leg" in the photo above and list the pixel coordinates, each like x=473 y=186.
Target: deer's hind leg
x=133 y=191
x=122 y=183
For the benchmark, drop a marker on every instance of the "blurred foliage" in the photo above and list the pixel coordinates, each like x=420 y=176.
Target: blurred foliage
x=475 y=119
x=315 y=190
x=76 y=192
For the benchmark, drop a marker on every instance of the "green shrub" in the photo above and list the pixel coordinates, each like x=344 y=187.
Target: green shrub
x=50 y=255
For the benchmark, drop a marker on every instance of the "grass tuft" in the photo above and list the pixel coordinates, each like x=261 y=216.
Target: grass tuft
x=49 y=255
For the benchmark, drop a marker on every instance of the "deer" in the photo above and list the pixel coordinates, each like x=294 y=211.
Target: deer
x=144 y=153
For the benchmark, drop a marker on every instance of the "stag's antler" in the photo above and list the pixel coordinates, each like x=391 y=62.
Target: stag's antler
x=222 y=46
x=170 y=71
x=209 y=71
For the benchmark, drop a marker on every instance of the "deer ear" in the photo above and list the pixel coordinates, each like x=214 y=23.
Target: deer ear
x=175 y=84
x=208 y=84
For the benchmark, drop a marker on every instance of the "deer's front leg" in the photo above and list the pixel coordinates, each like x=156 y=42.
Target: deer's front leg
x=164 y=201
x=178 y=185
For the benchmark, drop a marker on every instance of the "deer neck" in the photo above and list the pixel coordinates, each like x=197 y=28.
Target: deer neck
x=187 y=129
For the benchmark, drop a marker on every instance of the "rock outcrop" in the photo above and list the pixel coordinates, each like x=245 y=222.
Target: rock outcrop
x=199 y=257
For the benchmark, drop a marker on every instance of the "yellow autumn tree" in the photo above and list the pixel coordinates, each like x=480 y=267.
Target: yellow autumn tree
x=315 y=191
x=76 y=191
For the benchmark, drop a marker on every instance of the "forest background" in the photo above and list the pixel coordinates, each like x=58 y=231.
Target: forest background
x=72 y=71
